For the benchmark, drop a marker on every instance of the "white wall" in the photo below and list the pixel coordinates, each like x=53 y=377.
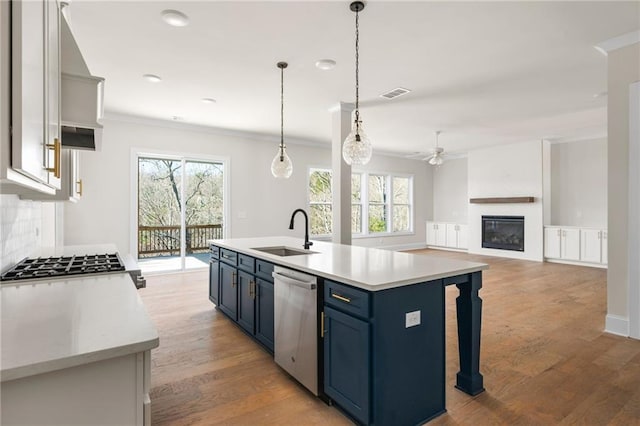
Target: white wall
x=623 y=70
x=450 y=191
x=260 y=204
x=507 y=171
x=579 y=183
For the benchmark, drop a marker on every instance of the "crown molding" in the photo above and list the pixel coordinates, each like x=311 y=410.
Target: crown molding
x=619 y=42
x=254 y=136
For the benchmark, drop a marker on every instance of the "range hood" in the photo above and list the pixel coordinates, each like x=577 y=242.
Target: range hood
x=81 y=97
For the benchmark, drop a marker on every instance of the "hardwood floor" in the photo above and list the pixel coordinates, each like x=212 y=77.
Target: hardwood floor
x=545 y=359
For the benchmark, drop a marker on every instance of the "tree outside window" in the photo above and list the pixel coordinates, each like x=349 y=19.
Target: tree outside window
x=356 y=203
x=377 y=203
x=401 y=187
x=320 y=202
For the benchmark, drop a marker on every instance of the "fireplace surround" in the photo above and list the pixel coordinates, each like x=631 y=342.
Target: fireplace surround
x=503 y=232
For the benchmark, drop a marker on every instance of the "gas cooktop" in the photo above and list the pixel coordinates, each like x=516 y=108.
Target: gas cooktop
x=61 y=266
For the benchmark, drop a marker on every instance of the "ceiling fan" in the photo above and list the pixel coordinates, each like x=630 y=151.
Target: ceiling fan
x=433 y=157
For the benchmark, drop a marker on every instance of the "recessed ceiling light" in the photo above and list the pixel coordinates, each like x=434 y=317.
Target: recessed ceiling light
x=325 y=64
x=174 y=18
x=208 y=100
x=600 y=95
x=152 y=78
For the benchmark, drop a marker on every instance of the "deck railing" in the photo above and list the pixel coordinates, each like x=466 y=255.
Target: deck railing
x=165 y=240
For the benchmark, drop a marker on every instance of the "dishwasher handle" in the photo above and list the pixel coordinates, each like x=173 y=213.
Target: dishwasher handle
x=292 y=281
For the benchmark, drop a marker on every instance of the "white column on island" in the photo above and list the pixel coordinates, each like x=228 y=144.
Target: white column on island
x=341 y=184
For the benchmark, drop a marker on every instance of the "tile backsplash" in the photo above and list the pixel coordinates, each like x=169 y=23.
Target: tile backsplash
x=20 y=229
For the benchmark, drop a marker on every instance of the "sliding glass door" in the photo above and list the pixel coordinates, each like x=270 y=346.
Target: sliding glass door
x=180 y=208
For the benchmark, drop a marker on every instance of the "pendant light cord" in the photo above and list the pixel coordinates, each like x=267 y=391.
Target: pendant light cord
x=282 y=114
x=357 y=70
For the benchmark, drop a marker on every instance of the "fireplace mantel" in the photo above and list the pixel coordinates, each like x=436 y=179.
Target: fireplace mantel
x=502 y=200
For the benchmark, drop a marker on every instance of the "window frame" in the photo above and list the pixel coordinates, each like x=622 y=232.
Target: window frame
x=364 y=202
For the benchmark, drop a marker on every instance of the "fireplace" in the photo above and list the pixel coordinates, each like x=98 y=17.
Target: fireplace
x=503 y=232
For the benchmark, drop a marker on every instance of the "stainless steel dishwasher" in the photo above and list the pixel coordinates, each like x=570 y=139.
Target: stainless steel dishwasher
x=296 y=331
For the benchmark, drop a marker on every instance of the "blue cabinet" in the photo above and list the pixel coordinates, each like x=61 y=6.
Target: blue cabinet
x=242 y=287
x=214 y=280
x=346 y=363
x=264 y=312
x=229 y=290
x=379 y=367
x=246 y=301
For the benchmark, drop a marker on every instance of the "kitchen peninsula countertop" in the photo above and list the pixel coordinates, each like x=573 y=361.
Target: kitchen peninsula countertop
x=61 y=323
x=367 y=268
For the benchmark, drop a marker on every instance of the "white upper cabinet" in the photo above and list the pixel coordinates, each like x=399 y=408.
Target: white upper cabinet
x=53 y=82
x=71 y=182
x=34 y=144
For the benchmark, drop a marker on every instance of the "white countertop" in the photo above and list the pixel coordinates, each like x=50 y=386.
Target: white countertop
x=50 y=325
x=368 y=268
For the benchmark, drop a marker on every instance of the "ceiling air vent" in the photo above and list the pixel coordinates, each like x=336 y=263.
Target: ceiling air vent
x=398 y=91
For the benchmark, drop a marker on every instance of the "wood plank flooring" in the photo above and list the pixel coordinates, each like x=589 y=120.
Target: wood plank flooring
x=545 y=359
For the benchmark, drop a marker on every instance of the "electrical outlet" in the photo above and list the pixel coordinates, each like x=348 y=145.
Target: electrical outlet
x=411 y=319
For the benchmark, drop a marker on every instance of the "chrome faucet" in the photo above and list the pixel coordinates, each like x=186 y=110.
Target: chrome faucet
x=307 y=243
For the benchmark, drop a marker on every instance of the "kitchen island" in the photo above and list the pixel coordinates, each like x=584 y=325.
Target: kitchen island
x=381 y=315
x=75 y=351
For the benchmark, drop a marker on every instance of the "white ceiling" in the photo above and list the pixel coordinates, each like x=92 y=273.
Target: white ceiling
x=484 y=73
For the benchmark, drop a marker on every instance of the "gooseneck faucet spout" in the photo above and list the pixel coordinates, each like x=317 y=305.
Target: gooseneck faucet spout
x=307 y=243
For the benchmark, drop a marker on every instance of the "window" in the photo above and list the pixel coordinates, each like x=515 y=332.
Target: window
x=377 y=203
x=401 y=204
x=380 y=203
x=356 y=203
x=320 y=201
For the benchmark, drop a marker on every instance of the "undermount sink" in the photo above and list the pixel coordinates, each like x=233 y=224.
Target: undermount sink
x=283 y=251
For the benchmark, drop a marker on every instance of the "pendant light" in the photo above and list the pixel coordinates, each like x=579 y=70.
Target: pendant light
x=281 y=166
x=356 y=149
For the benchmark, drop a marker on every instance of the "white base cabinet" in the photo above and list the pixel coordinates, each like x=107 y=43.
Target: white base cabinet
x=582 y=245
x=109 y=392
x=447 y=235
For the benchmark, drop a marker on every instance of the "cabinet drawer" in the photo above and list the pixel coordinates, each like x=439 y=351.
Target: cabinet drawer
x=264 y=270
x=215 y=252
x=229 y=256
x=347 y=299
x=246 y=263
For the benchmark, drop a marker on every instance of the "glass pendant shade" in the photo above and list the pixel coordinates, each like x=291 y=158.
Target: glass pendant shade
x=281 y=166
x=436 y=160
x=356 y=149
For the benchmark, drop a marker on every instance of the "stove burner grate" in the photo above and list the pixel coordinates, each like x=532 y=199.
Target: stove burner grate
x=59 y=266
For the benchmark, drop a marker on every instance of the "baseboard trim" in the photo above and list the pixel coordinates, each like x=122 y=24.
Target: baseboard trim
x=618 y=325
x=447 y=249
x=576 y=263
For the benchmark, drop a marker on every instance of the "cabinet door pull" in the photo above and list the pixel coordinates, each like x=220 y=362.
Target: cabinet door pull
x=56 y=147
x=233 y=279
x=252 y=289
x=341 y=298
x=322 y=324
x=79 y=187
